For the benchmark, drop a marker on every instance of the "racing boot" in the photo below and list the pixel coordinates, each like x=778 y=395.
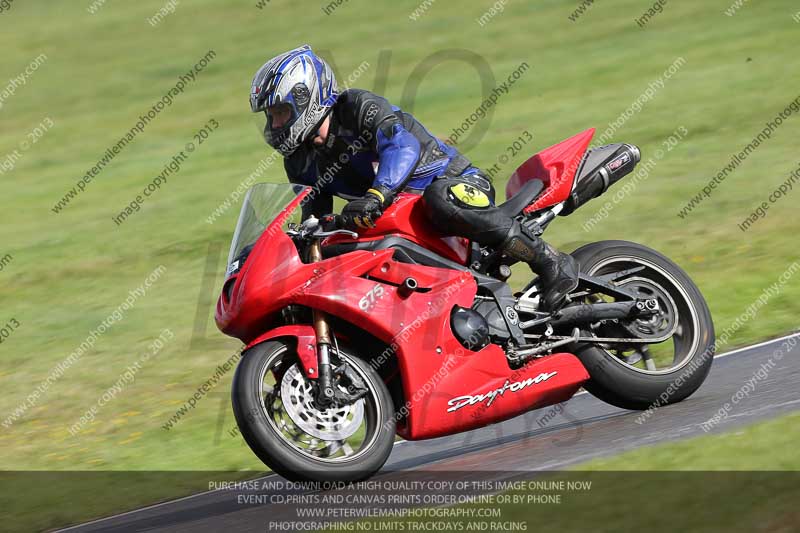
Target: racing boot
x=559 y=271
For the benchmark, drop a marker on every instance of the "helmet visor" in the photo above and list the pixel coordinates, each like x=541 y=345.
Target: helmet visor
x=279 y=121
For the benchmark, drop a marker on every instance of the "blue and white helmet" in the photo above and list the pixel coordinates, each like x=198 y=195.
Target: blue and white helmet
x=295 y=90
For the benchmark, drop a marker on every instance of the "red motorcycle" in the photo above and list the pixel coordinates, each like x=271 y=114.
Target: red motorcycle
x=353 y=338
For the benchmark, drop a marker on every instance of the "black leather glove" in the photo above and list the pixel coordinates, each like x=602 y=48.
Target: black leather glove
x=363 y=212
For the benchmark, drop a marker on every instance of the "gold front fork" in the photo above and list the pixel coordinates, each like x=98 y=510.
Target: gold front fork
x=323 y=332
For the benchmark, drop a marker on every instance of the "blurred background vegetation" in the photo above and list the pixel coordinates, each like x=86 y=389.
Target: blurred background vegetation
x=70 y=270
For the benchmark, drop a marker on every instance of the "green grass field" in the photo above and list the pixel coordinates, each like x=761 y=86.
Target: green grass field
x=763 y=446
x=69 y=271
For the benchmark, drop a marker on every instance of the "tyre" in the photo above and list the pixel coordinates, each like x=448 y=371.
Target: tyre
x=637 y=376
x=274 y=409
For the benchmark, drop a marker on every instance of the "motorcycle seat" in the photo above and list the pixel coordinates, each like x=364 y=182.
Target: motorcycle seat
x=526 y=194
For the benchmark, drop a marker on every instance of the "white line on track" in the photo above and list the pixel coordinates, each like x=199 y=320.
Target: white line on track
x=170 y=502
x=732 y=352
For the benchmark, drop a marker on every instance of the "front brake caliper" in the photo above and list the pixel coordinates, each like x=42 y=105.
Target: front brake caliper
x=348 y=386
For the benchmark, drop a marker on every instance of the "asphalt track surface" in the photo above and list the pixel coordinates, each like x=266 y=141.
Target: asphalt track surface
x=552 y=438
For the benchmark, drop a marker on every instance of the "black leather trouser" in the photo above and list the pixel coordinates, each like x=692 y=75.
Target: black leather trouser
x=463 y=206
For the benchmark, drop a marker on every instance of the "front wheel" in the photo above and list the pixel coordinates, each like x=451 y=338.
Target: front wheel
x=275 y=411
x=640 y=375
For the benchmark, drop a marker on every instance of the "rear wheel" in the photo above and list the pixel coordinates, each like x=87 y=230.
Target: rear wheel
x=638 y=375
x=275 y=411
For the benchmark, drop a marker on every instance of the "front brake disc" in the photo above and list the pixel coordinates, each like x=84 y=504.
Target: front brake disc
x=333 y=423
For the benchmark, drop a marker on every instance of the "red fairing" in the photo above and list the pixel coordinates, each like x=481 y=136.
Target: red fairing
x=447 y=388
x=434 y=367
x=406 y=218
x=266 y=282
x=306 y=341
x=556 y=167
x=479 y=389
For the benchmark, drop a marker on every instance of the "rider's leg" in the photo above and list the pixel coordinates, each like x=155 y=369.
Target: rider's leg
x=559 y=271
x=464 y=206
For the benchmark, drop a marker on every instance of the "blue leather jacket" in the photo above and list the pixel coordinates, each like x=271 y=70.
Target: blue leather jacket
x=370 y=144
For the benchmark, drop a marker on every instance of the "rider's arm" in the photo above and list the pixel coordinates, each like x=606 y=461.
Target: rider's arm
x=318 y=204
x=300 y=169
x=398 y=150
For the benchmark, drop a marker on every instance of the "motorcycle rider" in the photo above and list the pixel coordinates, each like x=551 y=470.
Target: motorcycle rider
x=356 y=145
